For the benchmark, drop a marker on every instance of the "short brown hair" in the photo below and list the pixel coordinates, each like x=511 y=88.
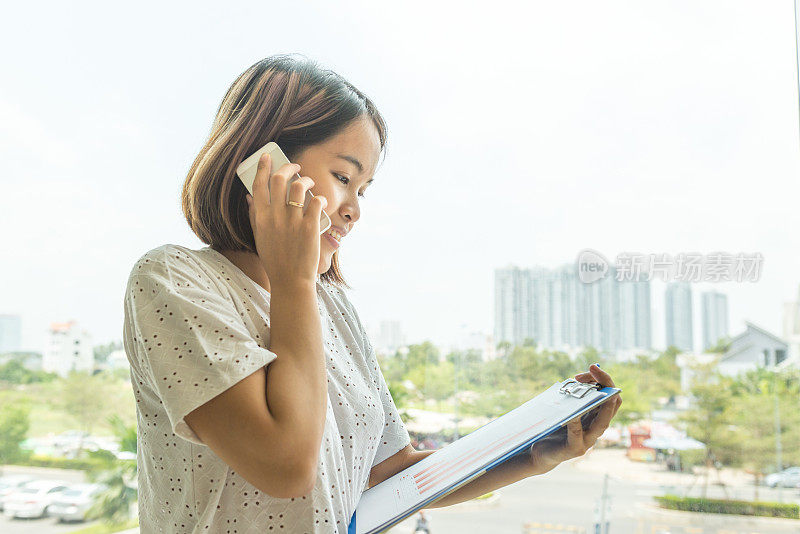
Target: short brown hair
x=291 y=101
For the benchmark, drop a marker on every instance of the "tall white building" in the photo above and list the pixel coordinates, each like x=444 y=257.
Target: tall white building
x=715 y=317
x=678 y=313
x=10 y=333
x=390 y=337
x=67 y=349
x=555 y=309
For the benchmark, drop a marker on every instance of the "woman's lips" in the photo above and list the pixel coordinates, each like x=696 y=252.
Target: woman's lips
x=332 y=241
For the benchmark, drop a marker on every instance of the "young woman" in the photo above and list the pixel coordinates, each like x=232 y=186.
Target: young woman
x=261 y=406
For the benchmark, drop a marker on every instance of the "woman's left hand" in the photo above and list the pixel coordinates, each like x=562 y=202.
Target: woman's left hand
x=549 y=452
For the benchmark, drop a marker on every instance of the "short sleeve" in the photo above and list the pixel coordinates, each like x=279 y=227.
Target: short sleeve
x=395 y=436
x=193 y=343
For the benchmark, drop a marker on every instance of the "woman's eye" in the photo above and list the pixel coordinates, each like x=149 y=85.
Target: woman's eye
x=345 y=180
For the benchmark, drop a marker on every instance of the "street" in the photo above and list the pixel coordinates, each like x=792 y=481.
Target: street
x=563 y=501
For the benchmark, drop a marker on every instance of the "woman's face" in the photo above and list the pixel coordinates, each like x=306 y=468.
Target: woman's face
x=341 y=168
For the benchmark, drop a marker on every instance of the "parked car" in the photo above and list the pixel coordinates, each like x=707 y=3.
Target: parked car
x=788 y=478
x=11 y=483
x=32 y=499
x=73 y=503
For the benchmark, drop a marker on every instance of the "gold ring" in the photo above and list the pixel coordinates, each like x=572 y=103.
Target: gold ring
x=298 y=204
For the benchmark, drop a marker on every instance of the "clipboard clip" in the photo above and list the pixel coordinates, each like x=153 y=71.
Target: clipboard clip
x=577 y=389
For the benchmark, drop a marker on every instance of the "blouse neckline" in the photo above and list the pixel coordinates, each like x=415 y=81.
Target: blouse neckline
x=233 y=266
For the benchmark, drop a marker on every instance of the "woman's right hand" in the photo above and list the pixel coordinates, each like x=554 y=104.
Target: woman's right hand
x=287 y=238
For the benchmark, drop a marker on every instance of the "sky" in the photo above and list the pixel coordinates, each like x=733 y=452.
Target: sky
x=519 y=133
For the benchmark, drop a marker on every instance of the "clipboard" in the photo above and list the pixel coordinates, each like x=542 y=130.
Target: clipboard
x=458 y=463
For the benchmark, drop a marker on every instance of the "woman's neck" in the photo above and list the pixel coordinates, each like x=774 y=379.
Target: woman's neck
x=250 y=264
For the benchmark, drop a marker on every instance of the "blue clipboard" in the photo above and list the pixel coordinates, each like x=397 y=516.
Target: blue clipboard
x=568 y=387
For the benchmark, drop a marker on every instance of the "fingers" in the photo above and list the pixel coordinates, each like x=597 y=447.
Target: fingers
x=584 y=377
x=315 y=207
x=260 y=189
x=600 y=376
x=619 y=403
x=601 y=422
x=575 y=438
x=298 y=185
x=268 y=185
x=279 y=186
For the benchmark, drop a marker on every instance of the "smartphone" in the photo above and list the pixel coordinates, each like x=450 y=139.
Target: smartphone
x=247 y=174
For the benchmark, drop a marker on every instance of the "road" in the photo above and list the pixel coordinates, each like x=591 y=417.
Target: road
x=563 y=501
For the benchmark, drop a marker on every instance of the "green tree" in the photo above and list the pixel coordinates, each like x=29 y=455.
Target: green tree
x=101 y=352
x=435 y=381
x=14 y=425
x=113 y=505
x=15 y=372
x=84 y=397
x=721 y=346
x=708 y=420
x=757 y=395
x=420 y=355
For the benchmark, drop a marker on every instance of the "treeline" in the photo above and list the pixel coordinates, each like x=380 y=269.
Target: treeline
x=736 y=417
x=521 y=372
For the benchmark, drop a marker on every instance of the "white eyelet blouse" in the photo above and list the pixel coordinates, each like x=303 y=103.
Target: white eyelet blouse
x=195 y=325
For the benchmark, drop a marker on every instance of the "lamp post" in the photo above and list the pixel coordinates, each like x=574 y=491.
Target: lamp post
x=458 y=358
x=778 y=448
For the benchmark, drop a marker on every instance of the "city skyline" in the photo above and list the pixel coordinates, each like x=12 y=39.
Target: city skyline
x=556 y=309
x=389 y=335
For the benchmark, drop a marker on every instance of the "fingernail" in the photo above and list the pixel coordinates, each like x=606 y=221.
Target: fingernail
x=597 y=364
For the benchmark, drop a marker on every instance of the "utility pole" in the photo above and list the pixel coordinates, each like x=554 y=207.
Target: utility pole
x=602 y=510
x=778 y=447
x=458 y=359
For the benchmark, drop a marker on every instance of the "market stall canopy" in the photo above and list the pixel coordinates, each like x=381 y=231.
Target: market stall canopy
x=676 y=443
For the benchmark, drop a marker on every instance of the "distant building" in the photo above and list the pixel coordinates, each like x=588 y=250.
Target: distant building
x=474 y=340
x=753 y=348
x=556 y=310
x=67 y=349
x=715 y=318
x=10 y=333
x=390 y=337
x=678 y=313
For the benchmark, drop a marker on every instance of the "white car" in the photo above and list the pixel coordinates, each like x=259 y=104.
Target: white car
x=32 y=499
x=73 y=503
x=10 y=483
x=788 y=478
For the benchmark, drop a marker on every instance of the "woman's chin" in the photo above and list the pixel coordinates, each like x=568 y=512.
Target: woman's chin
x=324 y=265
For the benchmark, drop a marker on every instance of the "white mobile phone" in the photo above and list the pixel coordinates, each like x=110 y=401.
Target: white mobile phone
x=247 y=173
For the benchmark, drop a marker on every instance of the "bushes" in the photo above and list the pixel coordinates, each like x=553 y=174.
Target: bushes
x=715 y=506
x=38 y=460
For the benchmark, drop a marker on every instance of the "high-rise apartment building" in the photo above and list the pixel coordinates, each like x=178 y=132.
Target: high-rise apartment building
x=678 y=314
x=10 y=333
x=715 y=317
x=554 y=308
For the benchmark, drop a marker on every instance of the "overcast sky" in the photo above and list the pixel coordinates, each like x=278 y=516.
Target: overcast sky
x=519 y=133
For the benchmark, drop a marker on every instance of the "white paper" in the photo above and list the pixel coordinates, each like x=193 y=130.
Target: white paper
x=469 y=457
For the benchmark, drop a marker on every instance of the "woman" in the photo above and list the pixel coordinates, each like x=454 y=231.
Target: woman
x=261 y=406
